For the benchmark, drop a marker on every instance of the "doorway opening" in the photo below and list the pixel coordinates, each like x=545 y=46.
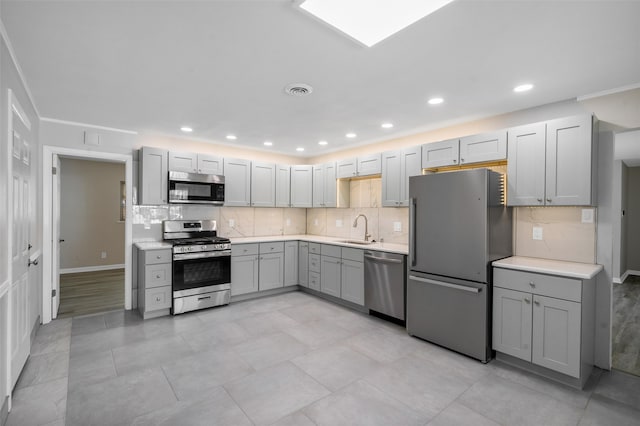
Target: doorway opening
x=92 y=236
x=51 y=223
x=626 y=293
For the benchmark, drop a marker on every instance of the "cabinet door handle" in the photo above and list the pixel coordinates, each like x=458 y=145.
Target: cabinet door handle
x=462 y=160
x=539 y=200
x=535 y=302
x=548 y=200
x=527 y=301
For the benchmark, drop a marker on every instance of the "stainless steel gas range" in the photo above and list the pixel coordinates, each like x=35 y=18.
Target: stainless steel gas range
x=201 y=265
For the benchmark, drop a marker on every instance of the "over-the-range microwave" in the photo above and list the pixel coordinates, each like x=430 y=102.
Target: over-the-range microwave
x=195 y=188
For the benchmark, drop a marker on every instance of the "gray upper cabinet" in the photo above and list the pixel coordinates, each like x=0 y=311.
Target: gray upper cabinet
x=283 y=186
x=324 y=185
x=484 y=147
x=263 y=184
x=359 y=166
x=571 y=160
x=154 y=175
x=397 y=167
x=301 y=186
x=552 y=163
x=347 y=168
x=440 y=154
x=466 y=150
x=210 y=164
x=195 y=163
x=525 y=166
x=237 y=188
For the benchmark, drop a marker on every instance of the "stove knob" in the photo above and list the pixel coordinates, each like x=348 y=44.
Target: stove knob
x=189 y=248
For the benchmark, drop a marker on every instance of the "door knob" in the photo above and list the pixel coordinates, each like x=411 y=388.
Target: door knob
x=35 y=263
x=61 y=240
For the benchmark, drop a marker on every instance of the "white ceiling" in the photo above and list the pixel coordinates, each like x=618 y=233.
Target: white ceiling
x=221 y=66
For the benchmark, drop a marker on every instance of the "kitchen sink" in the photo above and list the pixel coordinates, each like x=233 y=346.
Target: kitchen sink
x=361 y=242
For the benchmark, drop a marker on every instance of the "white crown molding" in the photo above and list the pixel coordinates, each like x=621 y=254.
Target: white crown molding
x=608 y=92
x=91 y=126
x=5 y=37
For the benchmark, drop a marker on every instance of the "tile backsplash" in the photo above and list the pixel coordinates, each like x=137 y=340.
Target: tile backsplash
x=231 y=221
x=365 y=198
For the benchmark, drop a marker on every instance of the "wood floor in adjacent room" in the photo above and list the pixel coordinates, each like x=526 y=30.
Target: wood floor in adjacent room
x=86 y=293
x=626 y=325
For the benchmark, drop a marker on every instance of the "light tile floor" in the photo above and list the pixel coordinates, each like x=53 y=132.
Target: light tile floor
x=291 y=359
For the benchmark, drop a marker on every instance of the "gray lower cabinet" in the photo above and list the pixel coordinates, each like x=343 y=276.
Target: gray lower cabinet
x=244 y=268
x=314 y=266
x=545 y=320
x=291 y=263
x=303 y=264
x=271 y=273
x=342 y=273
x=154 y=282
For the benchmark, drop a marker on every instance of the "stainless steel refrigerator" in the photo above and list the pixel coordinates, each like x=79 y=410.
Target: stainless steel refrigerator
x=458 y=225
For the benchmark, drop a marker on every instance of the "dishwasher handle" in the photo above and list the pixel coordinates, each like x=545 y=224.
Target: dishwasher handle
x=382 y=259
x=443 y=284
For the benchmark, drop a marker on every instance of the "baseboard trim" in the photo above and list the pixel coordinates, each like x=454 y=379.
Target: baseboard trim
x=624 y=276
x=4 y=411
x=91 y=268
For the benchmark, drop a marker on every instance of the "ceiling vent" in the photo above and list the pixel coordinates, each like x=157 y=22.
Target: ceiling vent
x=298 y=89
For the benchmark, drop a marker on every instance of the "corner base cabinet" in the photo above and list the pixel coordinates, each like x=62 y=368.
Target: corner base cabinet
x=545 y=323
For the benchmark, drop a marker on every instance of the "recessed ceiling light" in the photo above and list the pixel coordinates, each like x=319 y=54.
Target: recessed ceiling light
x=435 y=101
x=523 y=88
x=387 y=125
x=267 y=143
x=232 y=137
x=299 y=149
x=370 y=22
x=351 y=135
x=323 y=143
x=186 y=129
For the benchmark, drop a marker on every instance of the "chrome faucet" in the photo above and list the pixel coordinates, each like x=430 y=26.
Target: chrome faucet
x=366 y=226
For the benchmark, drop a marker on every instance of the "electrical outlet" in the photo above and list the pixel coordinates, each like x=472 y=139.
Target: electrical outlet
x=288 y=222
x=537 y=233
x=232 y=223
x=587 y=215
x=397 y=226
x=338 y=223
x=103 y=255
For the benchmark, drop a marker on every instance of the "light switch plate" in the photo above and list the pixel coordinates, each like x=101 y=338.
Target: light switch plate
x=232 y=223
x=587 y=215
x=288 y=222
x=338 y=223
x=397 y=226
x=315 y=222
x=537 y=233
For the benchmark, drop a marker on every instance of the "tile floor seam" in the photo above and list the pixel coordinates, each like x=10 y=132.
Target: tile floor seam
x=224 y=388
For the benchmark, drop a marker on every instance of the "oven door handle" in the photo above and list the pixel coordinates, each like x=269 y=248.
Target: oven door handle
x=201 y=255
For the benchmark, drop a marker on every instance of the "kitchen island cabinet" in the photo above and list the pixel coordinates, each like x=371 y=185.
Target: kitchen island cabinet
x=543 y=320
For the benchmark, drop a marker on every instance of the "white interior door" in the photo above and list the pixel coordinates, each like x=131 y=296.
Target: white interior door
x=56 y=240
x=20 y=188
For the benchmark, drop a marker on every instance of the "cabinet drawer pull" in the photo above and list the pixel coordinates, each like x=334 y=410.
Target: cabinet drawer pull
x=532 y=284
x=158 y=257
x=204 y=298
x=158 y=277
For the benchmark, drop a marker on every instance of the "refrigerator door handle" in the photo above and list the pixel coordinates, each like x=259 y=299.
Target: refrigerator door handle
x=412 y=231
x=443 y=284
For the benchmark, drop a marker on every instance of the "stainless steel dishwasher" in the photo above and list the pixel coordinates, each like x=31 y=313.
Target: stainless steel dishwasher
x=385 y=283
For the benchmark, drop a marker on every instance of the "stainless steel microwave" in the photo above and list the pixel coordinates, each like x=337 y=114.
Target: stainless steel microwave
x=195 y=188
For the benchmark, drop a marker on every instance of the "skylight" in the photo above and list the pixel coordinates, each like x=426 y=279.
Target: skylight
x=370 y=22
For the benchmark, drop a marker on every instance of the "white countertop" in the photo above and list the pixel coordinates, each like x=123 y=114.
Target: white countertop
x=387 y=247
x=153 y=245
x=548 y=266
